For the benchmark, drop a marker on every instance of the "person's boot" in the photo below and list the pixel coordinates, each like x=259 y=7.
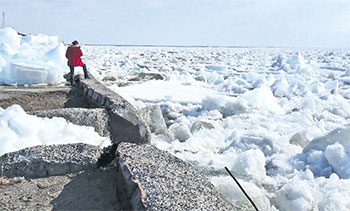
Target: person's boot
x=71 y=77
x=72 y=83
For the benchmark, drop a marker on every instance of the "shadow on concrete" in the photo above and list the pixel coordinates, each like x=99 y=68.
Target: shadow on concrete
x=32 y=99
x=76 y=99
x=91 y=190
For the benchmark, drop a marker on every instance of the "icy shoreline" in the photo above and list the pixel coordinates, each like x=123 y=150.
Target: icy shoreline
x=135 y=187
x=285 y=99
x=252 y=110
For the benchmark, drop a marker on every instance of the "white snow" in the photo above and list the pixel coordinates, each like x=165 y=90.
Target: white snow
x=253 y=102
x=20 y=130
x=31 y=59
x=251 y=110
x=262 y=99
x=155 y=91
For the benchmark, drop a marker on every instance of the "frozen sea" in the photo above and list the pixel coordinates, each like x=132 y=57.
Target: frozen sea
x=252 y=110
x=278 y=118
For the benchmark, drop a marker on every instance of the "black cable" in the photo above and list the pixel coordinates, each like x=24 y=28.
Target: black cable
x=251 y=201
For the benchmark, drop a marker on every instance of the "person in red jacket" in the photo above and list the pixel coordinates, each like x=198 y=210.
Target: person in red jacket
x=73 y=55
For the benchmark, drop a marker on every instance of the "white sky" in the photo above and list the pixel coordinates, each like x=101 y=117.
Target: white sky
x=291 y=23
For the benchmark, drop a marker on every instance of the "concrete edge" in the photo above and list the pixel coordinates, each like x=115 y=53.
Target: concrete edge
x=126 y=122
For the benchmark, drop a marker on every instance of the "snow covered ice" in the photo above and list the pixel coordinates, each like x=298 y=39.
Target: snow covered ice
x=31 y=59
x=277 y=118
x=20 y=130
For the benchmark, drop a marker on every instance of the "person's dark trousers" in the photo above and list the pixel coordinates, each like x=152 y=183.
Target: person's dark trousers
x=85 y=72
x=72 y=74
x=71 y=79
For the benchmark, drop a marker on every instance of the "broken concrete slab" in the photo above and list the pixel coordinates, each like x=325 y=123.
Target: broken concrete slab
x=49 y=160
x=126 y=121
x=92 y=189
x=151 y=179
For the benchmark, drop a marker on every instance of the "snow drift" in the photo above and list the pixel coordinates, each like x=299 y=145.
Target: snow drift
x=31 y=59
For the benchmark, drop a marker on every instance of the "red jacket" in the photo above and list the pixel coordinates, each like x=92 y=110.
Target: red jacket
x=73 y=55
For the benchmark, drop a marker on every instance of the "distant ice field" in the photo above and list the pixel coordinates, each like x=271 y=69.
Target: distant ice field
x=254 y=110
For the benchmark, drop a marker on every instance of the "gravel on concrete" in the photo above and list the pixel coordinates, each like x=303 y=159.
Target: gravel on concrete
x=166 y=182
x=92 y=189
x=49 y=160
x=43 y=98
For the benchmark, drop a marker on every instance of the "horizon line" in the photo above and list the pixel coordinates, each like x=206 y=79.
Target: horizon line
x=204 y=46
